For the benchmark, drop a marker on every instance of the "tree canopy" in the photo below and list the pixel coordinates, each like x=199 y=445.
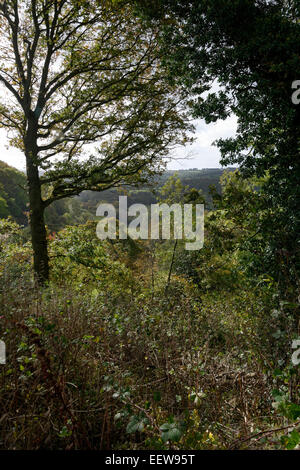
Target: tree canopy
x=242 y=57
x=78 y=73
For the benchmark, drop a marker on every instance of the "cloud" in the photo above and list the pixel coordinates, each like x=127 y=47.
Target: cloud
x=201 y=154
x=10 y=155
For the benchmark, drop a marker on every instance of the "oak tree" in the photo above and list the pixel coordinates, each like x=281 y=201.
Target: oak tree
x=85 y=99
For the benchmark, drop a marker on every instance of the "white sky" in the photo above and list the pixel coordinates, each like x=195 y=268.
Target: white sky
x=201 y=154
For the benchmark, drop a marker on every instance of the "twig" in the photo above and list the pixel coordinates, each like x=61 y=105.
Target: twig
x=262 y=433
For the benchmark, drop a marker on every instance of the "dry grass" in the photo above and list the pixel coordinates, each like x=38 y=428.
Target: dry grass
x=80 y=365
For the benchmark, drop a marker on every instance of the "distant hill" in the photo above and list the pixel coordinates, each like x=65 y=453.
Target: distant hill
x=14 y=202
x=13 y=196
x=194 y=178
x=14 y=199
x=199 y=179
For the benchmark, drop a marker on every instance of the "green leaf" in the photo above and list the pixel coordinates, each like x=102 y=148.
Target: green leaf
x=294 y=411
x=174 y=434
x=136 y=423
x=165 y=427
x=170 y=432
x=293 y=440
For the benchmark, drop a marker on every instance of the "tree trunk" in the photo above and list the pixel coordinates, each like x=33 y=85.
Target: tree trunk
x=37 y=208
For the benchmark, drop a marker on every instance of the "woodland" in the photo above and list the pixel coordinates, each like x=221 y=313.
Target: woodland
x=141 y=344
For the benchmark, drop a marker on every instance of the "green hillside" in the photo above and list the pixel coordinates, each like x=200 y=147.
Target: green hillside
x=13 y=196
x=14 y=200
x=194 y=178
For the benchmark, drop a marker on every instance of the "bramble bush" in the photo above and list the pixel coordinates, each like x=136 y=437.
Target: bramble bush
x=105 y=358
